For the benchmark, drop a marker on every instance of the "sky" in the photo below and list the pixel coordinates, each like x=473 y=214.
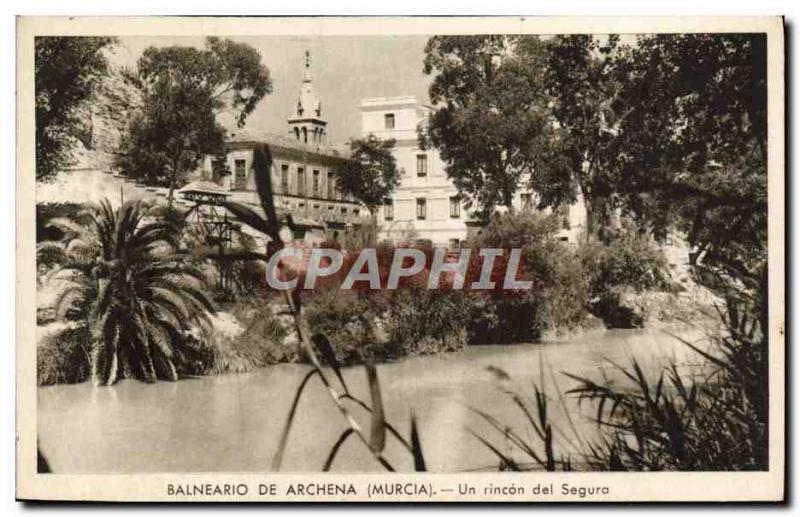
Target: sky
x=344 y=70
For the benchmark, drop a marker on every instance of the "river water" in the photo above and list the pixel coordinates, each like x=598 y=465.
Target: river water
x=232 y=423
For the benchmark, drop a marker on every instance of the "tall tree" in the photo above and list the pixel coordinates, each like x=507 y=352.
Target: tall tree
x=67 y=69
x=578 y=158
x=371 y=175
x=491 y=113
x=185 y=89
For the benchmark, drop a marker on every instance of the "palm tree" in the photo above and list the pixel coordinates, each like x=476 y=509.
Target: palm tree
x=122 y=278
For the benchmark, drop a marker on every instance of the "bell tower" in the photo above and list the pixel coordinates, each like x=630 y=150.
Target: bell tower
x=306 y=124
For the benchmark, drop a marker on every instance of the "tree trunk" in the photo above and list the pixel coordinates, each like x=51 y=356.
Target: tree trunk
x=172 y=177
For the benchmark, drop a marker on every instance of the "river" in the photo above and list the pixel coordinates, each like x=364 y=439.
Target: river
x=231 y=423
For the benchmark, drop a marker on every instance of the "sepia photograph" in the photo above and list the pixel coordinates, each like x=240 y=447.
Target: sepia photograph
x=324 y=262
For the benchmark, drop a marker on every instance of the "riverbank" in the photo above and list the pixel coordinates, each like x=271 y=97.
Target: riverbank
x=256 y=333
x=622 y=281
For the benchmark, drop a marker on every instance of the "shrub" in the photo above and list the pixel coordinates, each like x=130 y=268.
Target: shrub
x=348 y=320
x=625 y=264
x=49 y=253
x=262 y=340
x=428 y=321
x=559 y=295
x=566 y=295
x=360 y=236
x=247 y=335
x=46 y=212
x=505 y=318
x=626 y=259
x=364 y=326
x=533 y=232
x=63 y=357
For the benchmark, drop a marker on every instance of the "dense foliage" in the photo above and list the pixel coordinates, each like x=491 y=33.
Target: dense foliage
x=582 y=86
x=184 y=91
x=620 y=268
x=559 y=295
x=671 y=130
x=491 y=114
x=66 y=71
x=678 y=126
x=693 y=146
x=371 y=174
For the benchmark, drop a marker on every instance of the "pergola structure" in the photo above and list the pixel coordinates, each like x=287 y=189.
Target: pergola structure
x=208 y=210
x=211 y=215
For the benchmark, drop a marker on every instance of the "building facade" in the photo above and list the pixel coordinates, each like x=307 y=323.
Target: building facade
x=426 y=204
x=301 y=170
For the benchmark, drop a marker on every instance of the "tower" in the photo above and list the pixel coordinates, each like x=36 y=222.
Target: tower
x=306 y=124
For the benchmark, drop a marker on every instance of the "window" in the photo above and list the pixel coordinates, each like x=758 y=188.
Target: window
x=301 y=181
x=526 y=201
x=240 y=177
x=315 y=184
x=455 y=244
x=455 y=207
x=422 y=208
x=284 y=179
x=330 y=186
x=344 y=211
x=388 y=210
x=388 y=121
x=422 y=165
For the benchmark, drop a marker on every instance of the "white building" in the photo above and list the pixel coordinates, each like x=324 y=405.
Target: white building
x=426 y=204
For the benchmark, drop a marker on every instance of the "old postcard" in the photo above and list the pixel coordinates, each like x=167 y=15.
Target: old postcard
x=400 y=259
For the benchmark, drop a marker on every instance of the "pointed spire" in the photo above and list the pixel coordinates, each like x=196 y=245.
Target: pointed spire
x=305 y=120
x=307 y=73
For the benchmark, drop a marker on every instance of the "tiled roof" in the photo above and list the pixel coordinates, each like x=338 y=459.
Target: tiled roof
x=204 y=187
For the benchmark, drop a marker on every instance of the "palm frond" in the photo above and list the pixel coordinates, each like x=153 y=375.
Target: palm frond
x=138 y=293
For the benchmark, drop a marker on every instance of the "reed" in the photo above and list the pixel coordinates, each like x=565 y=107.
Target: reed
x=716 y=420
x=318 y=345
